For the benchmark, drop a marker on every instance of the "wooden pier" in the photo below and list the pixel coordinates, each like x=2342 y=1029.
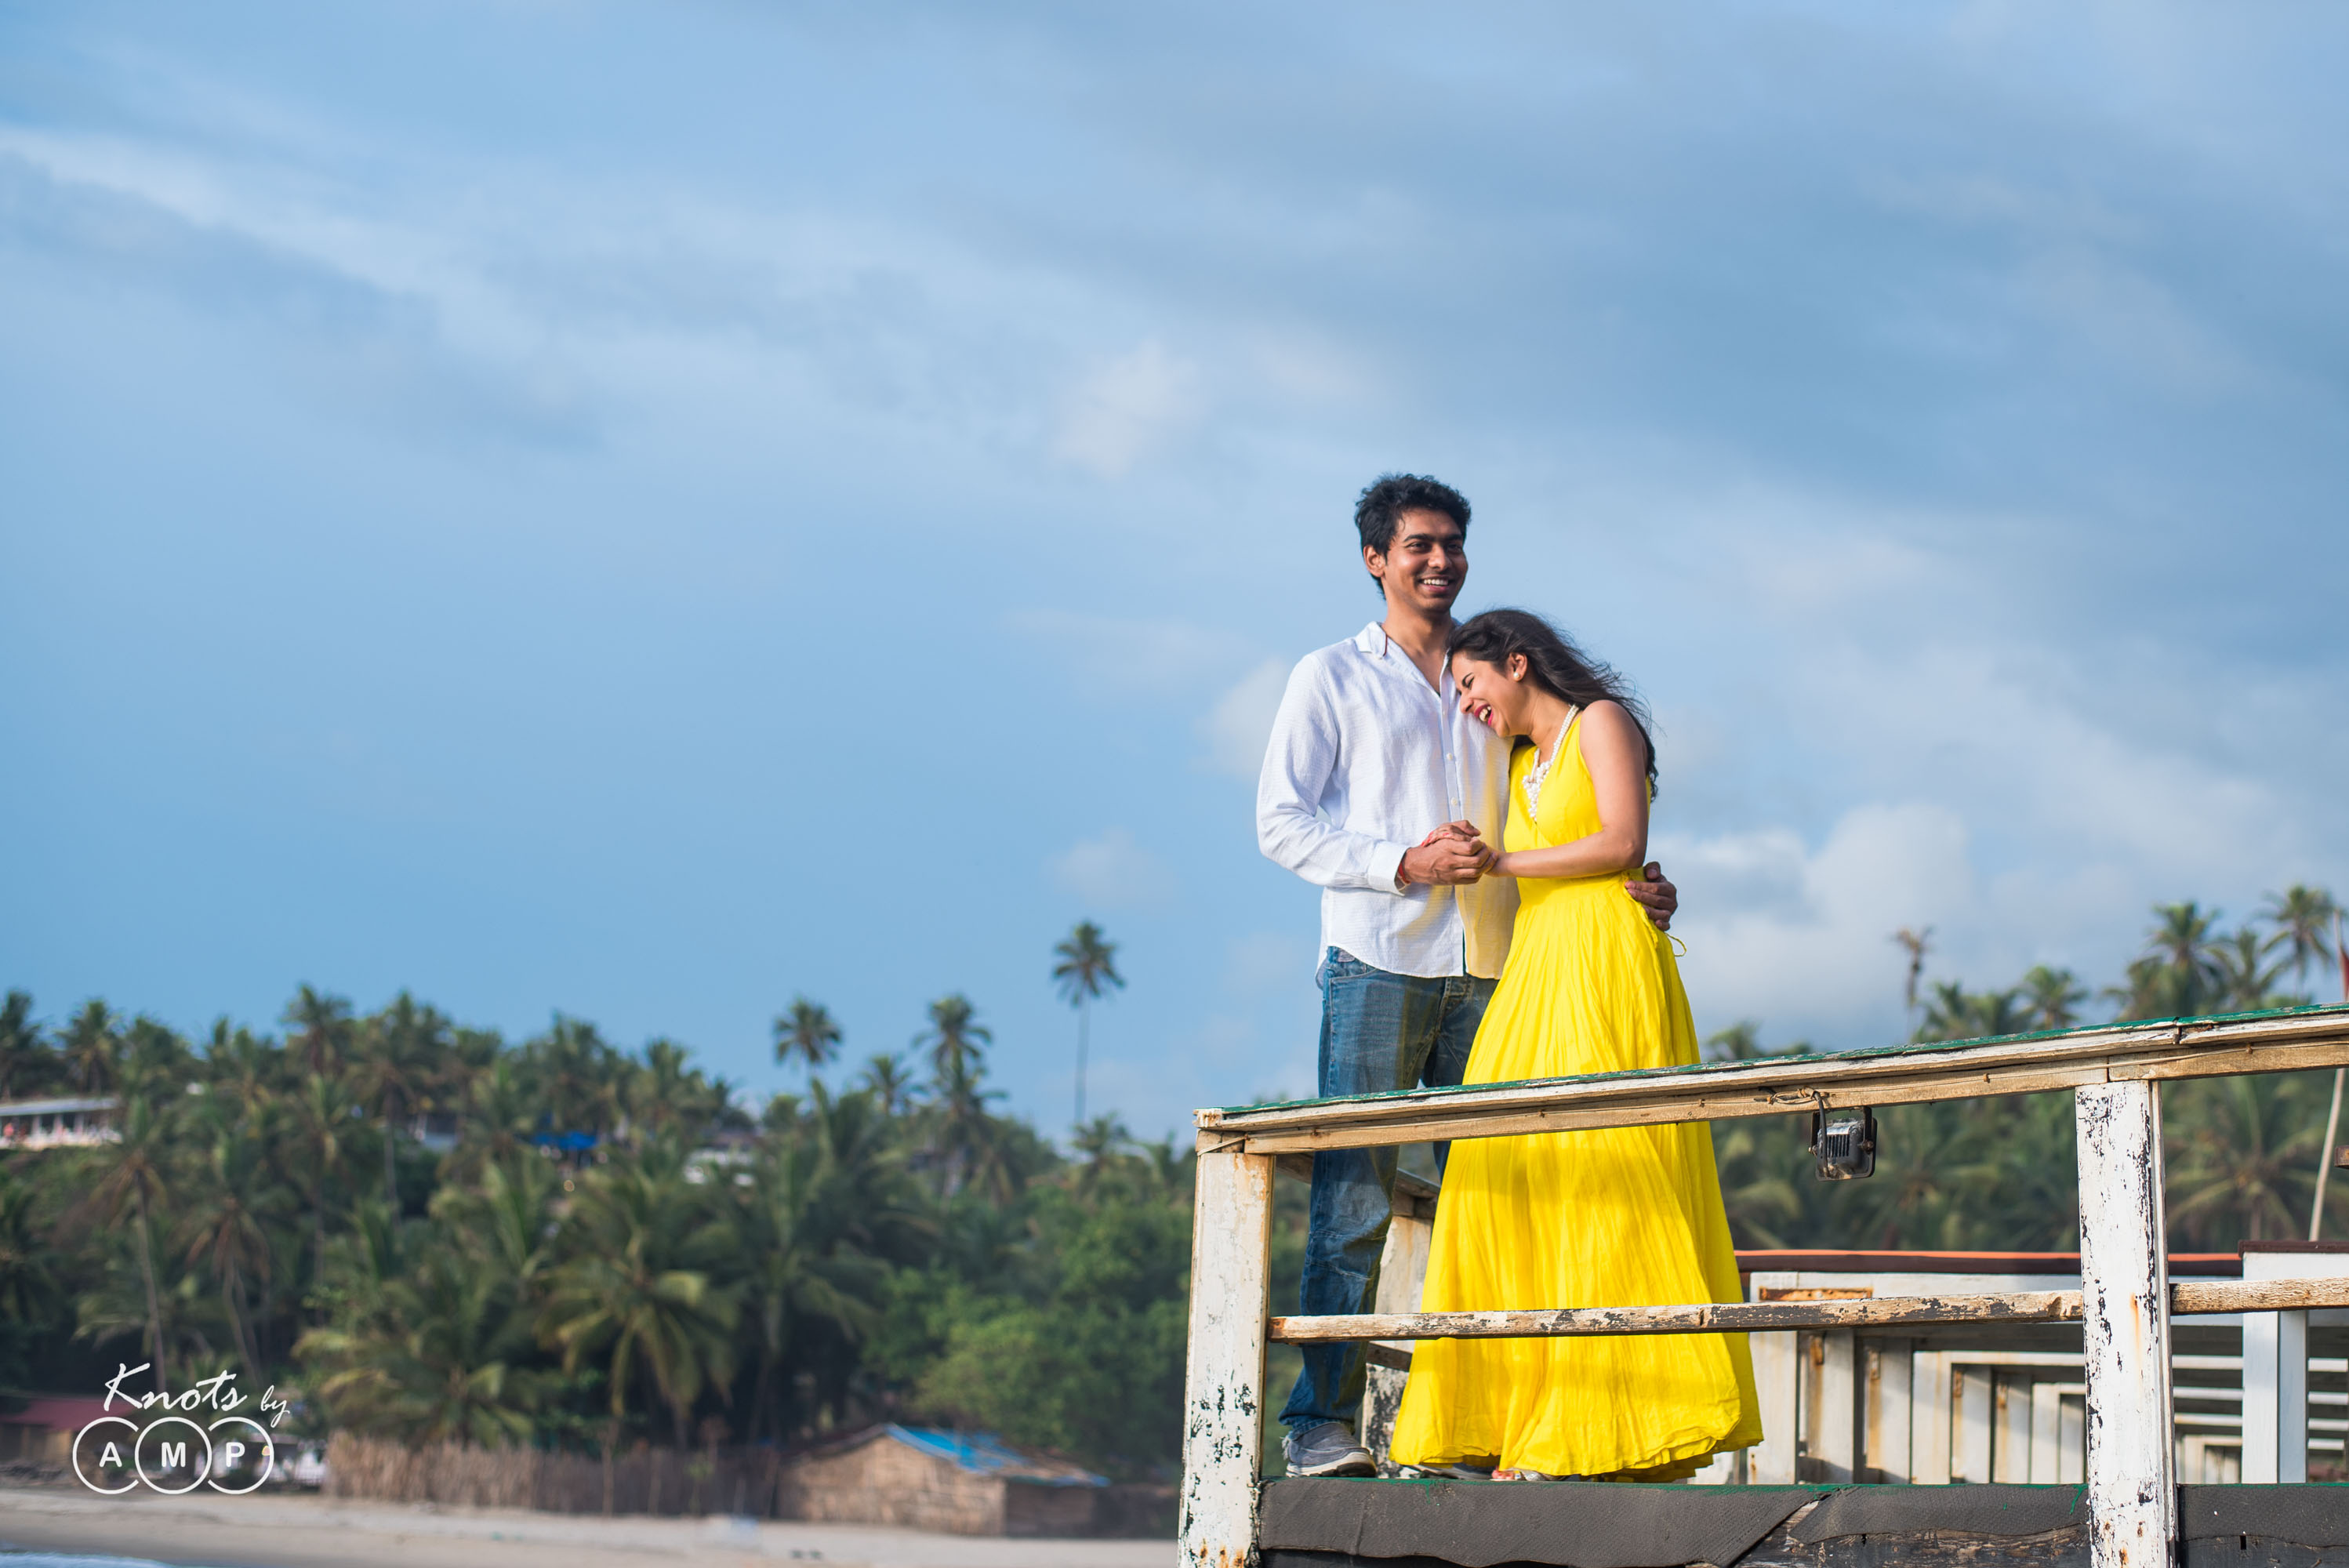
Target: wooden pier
x=2130 y=1504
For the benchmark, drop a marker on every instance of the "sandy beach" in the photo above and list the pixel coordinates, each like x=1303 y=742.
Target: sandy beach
x=300 y=1532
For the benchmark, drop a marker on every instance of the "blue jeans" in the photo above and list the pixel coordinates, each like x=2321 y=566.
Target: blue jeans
x=1380 y=1032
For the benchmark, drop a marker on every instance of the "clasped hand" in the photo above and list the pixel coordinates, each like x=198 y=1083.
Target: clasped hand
x=1456 y=852
x=1453 y=852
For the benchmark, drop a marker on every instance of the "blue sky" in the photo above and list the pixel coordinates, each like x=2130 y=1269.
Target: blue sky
x=650 y=510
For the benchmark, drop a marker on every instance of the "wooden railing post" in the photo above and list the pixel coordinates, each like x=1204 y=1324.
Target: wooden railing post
x=1778 y=1378
x=1223 y=1383
x=2275 y=1365
x=2124 y=1288
x=1836 y=1431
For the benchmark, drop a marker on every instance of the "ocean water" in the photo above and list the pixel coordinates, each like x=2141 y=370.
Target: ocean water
x=13 y=1559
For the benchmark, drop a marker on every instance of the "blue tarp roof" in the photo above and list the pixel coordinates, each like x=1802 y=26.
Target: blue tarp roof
x=986 y=1453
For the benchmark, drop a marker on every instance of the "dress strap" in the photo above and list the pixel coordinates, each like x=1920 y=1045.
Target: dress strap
x=1539 y=771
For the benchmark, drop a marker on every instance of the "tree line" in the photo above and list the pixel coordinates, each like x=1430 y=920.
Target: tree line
x=434 y=1235
x=2001 y=1174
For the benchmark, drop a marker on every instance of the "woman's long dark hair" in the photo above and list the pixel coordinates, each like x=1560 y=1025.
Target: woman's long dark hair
x=1552 y=663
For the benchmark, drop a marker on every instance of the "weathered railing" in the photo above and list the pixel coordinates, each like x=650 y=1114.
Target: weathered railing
x=2125 y=1303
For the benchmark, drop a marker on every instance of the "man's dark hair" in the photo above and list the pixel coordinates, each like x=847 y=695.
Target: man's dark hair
x=1392 y=495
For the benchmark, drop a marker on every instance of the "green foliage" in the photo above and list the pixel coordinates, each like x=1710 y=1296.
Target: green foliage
x=2001 y=1174
x=601 y=1247
x=807 y=1032
x=1099 y=1359
x=613 y=1251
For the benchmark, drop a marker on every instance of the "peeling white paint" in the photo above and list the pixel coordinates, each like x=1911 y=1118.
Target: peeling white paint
x=2125 y=1289
x=1223 y=1384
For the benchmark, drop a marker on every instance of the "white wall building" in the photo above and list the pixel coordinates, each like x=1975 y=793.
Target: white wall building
x=52 y=1123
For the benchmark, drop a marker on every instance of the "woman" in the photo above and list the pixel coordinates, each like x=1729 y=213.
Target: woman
x=1627 y=1216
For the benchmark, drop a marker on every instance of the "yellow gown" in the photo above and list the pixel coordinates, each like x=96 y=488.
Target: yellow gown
x=1627 y=1216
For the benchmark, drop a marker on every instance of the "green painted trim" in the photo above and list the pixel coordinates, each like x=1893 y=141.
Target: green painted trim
x=1864 y=1053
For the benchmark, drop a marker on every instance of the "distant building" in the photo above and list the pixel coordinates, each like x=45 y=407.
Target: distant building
x=39 y=1428
x=728 y=1149
x=434 y=1130
x=925 y=1478
x=54 y=1123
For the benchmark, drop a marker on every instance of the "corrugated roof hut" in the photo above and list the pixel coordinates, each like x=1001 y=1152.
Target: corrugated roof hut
x=925 y=1478
x=39 y=1429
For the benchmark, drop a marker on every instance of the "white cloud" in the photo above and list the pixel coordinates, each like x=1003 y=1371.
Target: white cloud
x=1801 y=939
x=1113 y=871
x=1237 y=727
x=1127 y=409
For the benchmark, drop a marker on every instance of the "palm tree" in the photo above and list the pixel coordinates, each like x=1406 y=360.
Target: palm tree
x=229 y=1211
x=967 y=1144
x=2301 y=915
x=1742 y=1042
x=1998 y=1013
x=1948 y=1014
x=886 y=1080
x=1762 y=1200
x=2304 y=917
x=2053 y=997
x=821 y=1222
x=954 y=1037
x=638 y=1289
x=1916 y=941
x=364 y=1261
x=470 y=1053
x=243 y=1068
x=498 y=1113
x=2179 y=976
x=1953 y=1013
x=323 y=1029
x=2246 y=980
x=2031 y=1164
x=134 y=1183
x=28 y=1278
x=1087 y=962
x=323 y=1118
x=2237 y=1170
x=807 y=1032
x=438 y=1363
x=578 y=1075
x=398 y=1058
x=115 y=1305
x=668 y=1095
x=93 y=1049
x=1924 y=1166
x=507 y=1219
x=25 y=1055
x=1104 y=1142
x=155 y=1056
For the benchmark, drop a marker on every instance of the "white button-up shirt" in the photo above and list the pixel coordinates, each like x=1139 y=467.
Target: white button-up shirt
x=1365 y=759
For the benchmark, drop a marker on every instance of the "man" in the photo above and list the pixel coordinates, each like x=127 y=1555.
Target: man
x=1380 y=790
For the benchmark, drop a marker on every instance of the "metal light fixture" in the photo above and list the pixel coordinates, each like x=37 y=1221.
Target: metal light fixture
x=1846 y=1146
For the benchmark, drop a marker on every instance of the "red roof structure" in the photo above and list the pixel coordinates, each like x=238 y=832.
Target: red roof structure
x=61 y=1412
